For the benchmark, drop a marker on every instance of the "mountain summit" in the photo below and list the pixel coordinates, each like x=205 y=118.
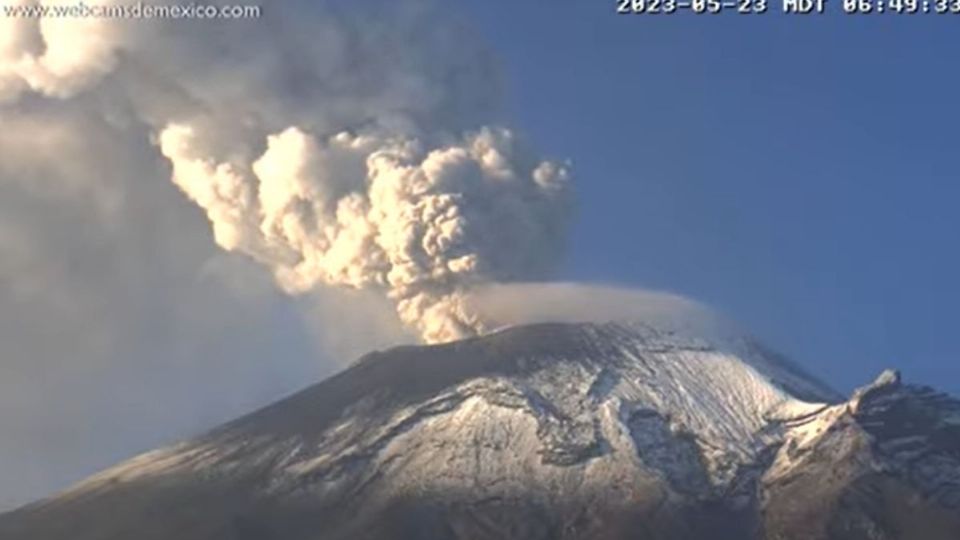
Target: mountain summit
x=630 y=430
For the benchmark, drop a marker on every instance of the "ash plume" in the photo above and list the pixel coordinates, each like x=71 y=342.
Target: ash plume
x=356 y=148
x=423 y=223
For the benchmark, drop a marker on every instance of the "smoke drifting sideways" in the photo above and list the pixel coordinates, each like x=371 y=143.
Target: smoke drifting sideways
x=419 y=207
x=341 y=144
x=512 y=304
x=337 y=149
x=358 y=145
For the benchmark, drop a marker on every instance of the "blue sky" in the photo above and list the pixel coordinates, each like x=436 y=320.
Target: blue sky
x=797 y=173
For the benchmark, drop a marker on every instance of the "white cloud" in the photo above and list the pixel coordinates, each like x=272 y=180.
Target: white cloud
x=54 y=56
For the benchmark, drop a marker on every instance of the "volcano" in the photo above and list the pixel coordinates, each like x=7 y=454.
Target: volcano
x=621 y=430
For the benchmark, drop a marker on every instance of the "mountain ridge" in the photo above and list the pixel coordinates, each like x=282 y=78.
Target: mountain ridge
x=617 y=430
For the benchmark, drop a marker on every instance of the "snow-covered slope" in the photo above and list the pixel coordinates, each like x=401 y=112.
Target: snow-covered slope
x=883 y=465
x=644 y=429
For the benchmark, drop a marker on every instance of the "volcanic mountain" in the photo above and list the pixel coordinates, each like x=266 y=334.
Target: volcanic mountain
x=623 y=430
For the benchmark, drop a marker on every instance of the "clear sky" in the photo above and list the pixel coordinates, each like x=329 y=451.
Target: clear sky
x=798 y=173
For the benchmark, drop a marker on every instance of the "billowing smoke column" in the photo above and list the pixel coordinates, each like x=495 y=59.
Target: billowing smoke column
x=338 y=141
x=350 y=148
x=422 y=223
